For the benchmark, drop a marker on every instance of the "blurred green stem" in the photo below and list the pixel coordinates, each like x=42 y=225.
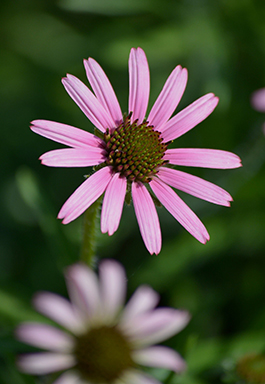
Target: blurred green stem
x=88 y=249
x=169 y=377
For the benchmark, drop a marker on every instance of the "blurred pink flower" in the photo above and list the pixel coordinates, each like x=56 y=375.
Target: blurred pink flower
x=104 y=342
x=130 y=154
x=258 y=100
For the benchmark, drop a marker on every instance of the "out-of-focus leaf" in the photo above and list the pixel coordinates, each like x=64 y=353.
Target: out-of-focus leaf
x=107 y=7
x=16 y=310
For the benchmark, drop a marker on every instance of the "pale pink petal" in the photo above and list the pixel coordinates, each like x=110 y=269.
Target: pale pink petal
x=169 y=98
x=147 y=217
x=139 y=84
x=189 y=117
x=194 y=186
x=45 y=336
x=112 y=288
x=65 y=134
x=83 y=289
x=134 y=376
x=88 y=103
x=156 y=326
x=144 y=299
x=205 y=158
x=258 y=100
x=103 y=89
x=73 y=157
x=69 y=377
x=43 y=363
x=160 y=357
x=58 y=309
x=185 y=216
x=113 y=204
x=88 y=192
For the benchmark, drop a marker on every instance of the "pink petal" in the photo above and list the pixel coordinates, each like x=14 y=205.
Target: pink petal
x=68 y=378
x=88 y=103
x=73 y=157
x=133 y=376
x=65 y=134
x=58 y=309
x=44 y=336
x=113 y=288
x=160 y=357
x=147 y=217
x=112 y=204
x=144 y=299
x=258 y=100
x=83 y=289
x=189 y=117
x=103 y=89
x=156 y=326
x=185 y=216
x=43 y=363
x=205 y=158
x=169 y=98
x=195 y=186
x=139 y=87
x=88 y=192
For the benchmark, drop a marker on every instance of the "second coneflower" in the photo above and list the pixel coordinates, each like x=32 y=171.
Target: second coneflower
x=130 y=154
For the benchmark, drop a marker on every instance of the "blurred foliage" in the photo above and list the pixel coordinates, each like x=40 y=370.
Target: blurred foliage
x=222 y=43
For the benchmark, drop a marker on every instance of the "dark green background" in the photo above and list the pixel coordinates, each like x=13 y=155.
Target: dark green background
x=222 y=284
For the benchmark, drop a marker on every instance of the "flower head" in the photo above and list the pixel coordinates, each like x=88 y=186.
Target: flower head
x=102 y=342
x=130 y=154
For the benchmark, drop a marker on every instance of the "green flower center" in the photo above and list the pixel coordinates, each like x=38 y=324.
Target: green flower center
x=135 y=151
x=102 y=355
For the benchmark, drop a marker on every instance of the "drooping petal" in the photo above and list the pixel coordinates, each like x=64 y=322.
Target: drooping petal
x=134 y=376
x=139 y=84
x=68 y=378
x=45 y=336
x=194 y=186
x=156 y=326
x=112 y=288
x=113 y=204
x=189 y=117
x=88 y=103
x=43 y=363
x=83 y=290
x=185 y=216
x=160 y=357
x=88 y=192
x=168 y=98
x=144 y=299
x=65 y=134
x=58 y=309
x=147 y=217
x=73 y=157
x=103 y=89
x=205 y=158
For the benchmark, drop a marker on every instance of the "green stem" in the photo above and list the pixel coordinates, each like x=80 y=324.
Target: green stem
x=169 y=377
x=88 y=250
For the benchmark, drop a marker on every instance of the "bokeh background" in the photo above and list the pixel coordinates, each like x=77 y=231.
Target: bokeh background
x=222 y=284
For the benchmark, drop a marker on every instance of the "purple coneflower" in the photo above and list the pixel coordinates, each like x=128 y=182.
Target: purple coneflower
x=130 y=154
x=103 y=342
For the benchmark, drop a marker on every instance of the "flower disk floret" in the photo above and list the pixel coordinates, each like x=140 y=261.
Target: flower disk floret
x=132 y=154
x=103 y=341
